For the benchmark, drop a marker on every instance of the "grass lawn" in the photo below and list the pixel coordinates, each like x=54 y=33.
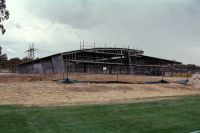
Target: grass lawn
x=178 y=116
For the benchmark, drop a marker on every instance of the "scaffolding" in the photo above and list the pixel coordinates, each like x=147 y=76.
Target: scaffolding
x=99 y=60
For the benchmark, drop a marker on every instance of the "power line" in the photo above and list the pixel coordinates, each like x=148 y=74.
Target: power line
x=31 y=51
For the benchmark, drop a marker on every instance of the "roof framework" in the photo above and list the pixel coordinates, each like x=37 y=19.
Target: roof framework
x=121 y=60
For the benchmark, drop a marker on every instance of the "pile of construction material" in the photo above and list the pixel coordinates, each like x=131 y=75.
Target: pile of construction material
x=195 y=80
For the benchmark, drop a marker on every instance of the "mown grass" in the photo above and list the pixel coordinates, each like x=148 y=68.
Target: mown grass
x=166 y=116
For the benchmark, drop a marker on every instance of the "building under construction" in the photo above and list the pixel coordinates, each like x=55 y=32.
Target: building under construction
x=99 y=60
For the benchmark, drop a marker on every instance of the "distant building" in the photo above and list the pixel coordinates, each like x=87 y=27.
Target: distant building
x=99 y=60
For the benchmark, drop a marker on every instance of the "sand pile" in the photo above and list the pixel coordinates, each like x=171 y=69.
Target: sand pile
x=195 y=80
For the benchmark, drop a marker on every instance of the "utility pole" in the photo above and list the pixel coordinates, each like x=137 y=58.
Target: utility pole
x=31 y=51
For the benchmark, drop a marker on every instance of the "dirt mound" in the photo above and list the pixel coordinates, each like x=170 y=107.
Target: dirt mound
x=195 y=81
x=45 y=93
x=98 y=88
x=12 y=78
x=122 y=78
x=38 y=90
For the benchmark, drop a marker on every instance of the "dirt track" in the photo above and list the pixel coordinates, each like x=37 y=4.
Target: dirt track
x=32 y=92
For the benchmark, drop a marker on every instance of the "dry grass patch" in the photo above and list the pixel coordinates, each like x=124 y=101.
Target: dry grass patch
x=44 y=93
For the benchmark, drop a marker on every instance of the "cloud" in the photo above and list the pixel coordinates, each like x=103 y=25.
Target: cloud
x=167 y=29
x=16 y=25
x=76 y=13
x=9 y=50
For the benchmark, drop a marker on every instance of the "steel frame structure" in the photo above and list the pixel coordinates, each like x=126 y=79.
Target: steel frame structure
x=99 y=60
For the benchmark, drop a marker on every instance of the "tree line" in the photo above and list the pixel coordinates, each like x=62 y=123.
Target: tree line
x=11 y=64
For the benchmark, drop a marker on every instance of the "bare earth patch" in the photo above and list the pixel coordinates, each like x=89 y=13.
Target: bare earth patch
x=44 y=93
x=37 y=90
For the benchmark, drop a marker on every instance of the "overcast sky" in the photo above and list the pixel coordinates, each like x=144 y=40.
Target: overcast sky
x=162 y=28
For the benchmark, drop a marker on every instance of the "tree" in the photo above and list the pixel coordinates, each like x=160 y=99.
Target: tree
x=4 y=15
x=3 y=60
x=13 y=62
x=26 y=59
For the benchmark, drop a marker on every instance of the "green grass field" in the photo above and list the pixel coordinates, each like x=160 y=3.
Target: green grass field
x=178 y=116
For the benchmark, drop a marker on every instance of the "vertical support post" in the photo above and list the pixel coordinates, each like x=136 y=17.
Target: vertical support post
x=171 y=68
x=187 y=74
x=53 y=69
x=63 y=76
x=117 y=73
x=84 y=68
x=163 y=73
x=67 y=72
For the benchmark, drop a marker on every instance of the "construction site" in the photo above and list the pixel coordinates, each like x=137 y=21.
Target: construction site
x=101 y=61
x=66 y=84
x=38 y=90
x=99 y=66
x=95 y=76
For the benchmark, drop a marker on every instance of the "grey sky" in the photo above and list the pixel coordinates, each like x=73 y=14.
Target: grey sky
x=163 y=28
